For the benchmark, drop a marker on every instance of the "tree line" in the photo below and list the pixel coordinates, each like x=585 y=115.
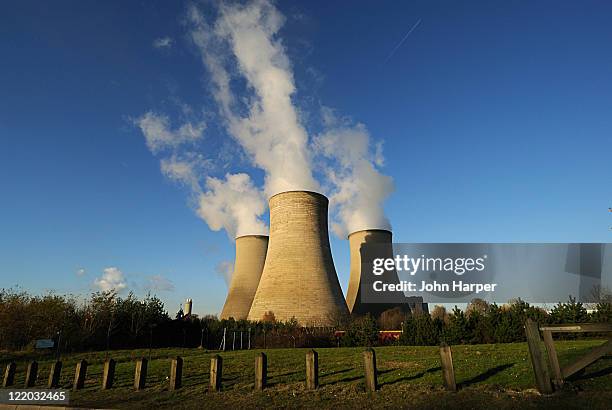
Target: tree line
x=106 y=320
x=480 y=323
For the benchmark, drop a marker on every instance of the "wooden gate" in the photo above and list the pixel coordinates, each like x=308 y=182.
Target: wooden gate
x=543 y=379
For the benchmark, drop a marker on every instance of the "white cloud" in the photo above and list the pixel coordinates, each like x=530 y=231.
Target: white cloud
x=226 y=270
x=111 y=279
x=158 y=283
x=80 y=272
x=163 y=42
x=159 y=135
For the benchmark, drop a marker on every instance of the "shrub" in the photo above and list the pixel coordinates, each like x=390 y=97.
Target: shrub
x=362 y=331
x=570 y=312
x=391 y=319
x=603 y=312
x=421 y=330
x=439 y=312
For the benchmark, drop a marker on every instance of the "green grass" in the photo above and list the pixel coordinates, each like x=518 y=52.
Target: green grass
x=491 y=376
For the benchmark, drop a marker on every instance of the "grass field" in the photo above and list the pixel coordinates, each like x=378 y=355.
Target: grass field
x=489 y=376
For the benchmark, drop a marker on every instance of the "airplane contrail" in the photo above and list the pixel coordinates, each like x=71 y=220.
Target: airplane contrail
x=402 y=41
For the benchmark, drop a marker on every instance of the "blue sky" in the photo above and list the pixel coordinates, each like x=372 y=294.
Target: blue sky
x=496 y=119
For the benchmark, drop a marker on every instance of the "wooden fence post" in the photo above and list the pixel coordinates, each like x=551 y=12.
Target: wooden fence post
x=31 y=374
x=552 y=358
x=79 y=375
x=537 y=359
x=176 y=373
x=140 y=374
x=312 y=370
x=369 y=362
x=9 y=374
x=261 y=371
x=108 y=375
x=54 y=375
x=448 y=370
x=216 y=372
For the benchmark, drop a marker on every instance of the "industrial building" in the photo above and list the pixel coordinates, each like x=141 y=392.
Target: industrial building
x=383 y=239
x=299 y=279
x=248 y=266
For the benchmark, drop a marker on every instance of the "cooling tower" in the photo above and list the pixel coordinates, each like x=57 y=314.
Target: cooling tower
x=299 y=279
x=188 y=304
x=384 y=241
x=249 y=263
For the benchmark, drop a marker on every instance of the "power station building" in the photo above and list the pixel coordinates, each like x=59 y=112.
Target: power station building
x=383 y=241
x=188 y=307
x=299 y=279
x=248 y=266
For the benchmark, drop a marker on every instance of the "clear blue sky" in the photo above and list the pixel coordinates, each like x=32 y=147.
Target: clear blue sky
x=496 y=119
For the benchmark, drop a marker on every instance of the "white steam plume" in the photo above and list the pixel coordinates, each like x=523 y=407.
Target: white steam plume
x=358 y=188
x=233 y=204
x=159 y=135
x=253 y=85
x=271 y=133
x=226 y=270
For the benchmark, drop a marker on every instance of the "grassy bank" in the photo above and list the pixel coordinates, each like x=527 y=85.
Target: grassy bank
x=488 y=376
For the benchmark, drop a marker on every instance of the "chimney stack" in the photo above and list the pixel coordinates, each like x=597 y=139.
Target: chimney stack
x=188 y=304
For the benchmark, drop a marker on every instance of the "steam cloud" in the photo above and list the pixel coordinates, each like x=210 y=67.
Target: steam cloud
x=252 y=84
x=160 y=136
x=226 y=270
x=271 y=132
x=233 y=204
x=358 y=188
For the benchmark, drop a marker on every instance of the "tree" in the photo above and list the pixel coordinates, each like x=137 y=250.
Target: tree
x=478 y=306
x=439 y=312
x=391 y=319
x=421 y=330
x=457 y=331
x=603 y=312
x=362 y=331
x=570 y=312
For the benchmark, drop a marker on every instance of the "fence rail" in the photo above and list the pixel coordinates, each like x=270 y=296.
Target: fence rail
x=544 y=382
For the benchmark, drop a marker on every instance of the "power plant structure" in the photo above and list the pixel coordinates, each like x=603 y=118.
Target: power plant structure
x=299 y=279
x=188 y=306
x=248 y=266
x=382 y=240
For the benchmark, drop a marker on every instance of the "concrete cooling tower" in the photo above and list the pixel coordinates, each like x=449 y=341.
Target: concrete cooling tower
x=249 y=263
x=299 y=279
x=384 y=241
